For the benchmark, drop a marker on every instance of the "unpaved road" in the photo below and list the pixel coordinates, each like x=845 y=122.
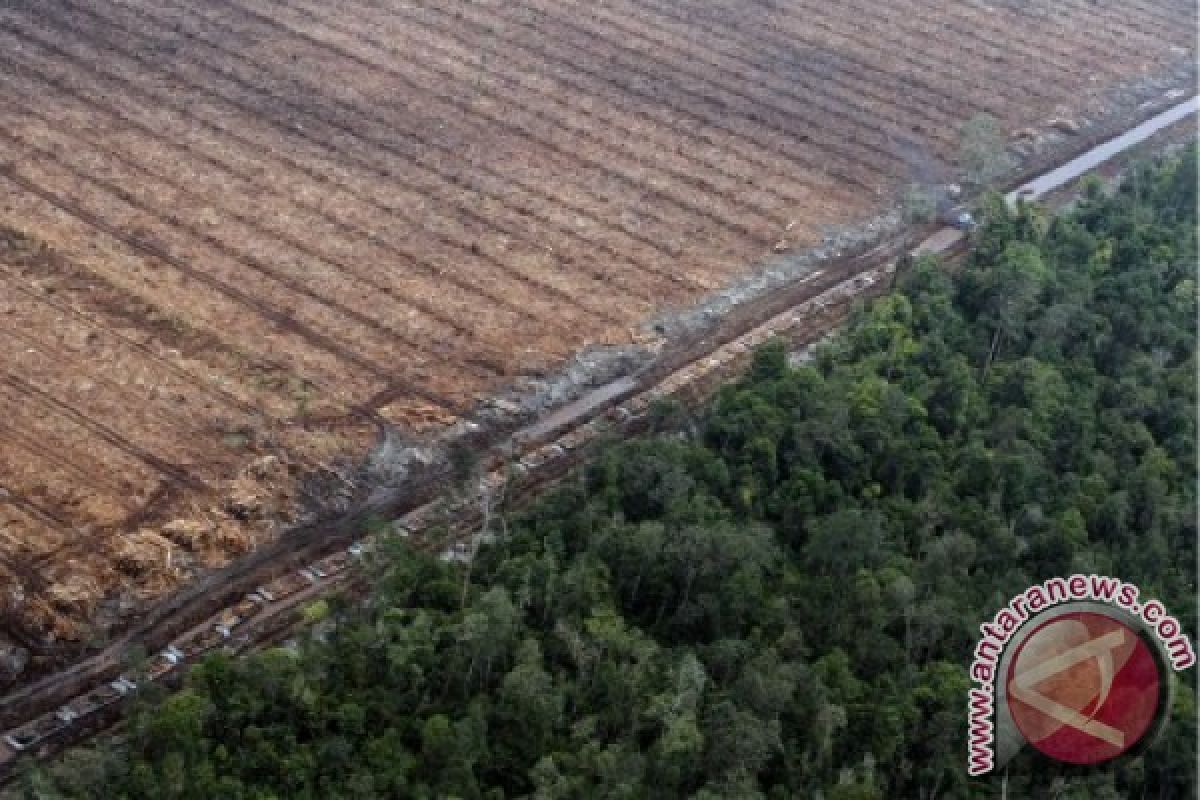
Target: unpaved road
x=1093 y=158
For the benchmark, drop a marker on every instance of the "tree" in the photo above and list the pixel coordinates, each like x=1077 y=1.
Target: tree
x=529 y=707
x=1011 y=291
x=919 y=204
x=982 y=150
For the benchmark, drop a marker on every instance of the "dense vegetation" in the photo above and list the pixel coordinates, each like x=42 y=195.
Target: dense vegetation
x=778 y=599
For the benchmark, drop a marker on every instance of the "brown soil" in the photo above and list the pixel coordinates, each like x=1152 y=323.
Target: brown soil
x=239 y=235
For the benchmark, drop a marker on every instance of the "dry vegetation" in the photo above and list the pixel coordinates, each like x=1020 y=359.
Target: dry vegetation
x=240 y=232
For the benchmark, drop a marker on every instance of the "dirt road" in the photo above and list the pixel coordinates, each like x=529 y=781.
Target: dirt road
x=1106 y=151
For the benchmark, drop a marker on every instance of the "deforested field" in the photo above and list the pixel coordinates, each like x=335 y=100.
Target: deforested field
x=239 y=234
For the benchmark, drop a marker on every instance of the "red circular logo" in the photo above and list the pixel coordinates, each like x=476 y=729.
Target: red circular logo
x=1084 y=687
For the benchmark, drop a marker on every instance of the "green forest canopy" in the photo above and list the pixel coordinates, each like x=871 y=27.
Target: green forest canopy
x=780 y=598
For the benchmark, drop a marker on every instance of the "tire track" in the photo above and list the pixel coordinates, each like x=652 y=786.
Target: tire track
x=30 y=508
x=214 y=392
x=444 y=272
x=706 y=39
x=439 y=185
x=78 y=180
x=727 y=219
x=519 y=89
x=75 y=366
x=281 y=319
x=659 y=35
x=355 y=134
x=717 y=110
x=340 y=264
x=782 y=49
x=166 y=468
x=921 y=26
x=38 y=451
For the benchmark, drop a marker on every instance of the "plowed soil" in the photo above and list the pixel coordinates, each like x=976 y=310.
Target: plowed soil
x=239 y=235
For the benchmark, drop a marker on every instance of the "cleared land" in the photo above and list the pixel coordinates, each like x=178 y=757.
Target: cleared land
x=243 y=233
